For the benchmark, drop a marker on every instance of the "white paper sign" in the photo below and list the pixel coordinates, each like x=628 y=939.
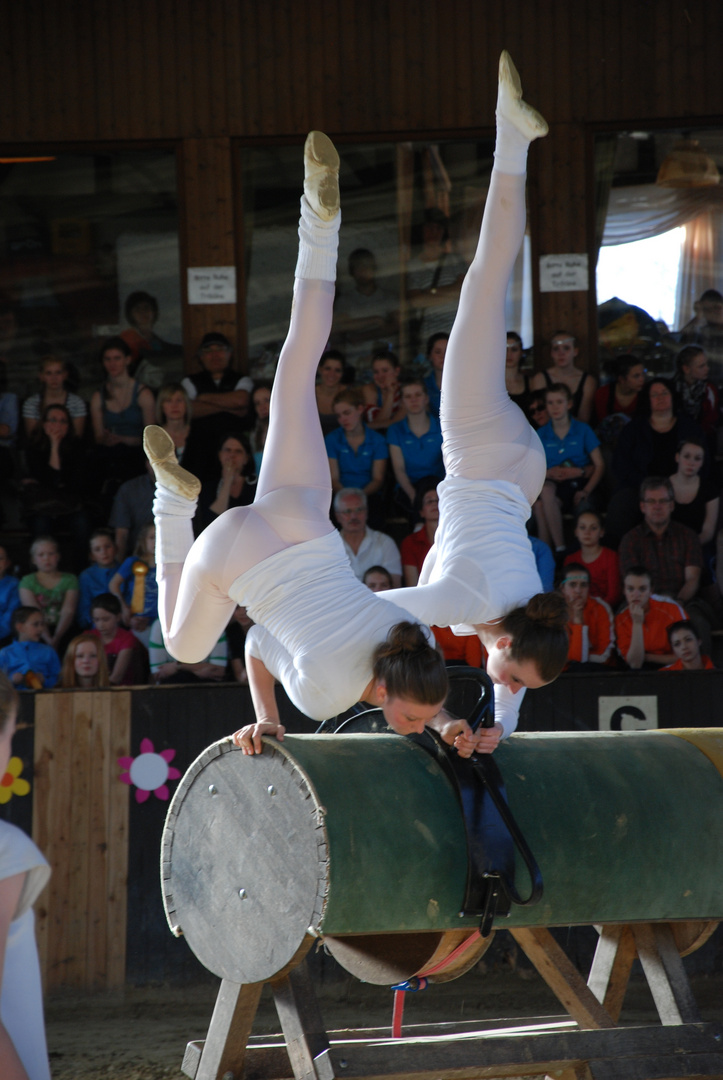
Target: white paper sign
x=212 y=284
x=628 y=712
x=563 y=273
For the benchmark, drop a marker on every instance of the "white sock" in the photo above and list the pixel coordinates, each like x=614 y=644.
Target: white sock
x=318 y=245
x=174 y=531
x=511 y=148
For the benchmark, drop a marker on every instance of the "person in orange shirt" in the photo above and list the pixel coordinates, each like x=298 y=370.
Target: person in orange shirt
x=641 y=628
x=686 y=645
x=466 y=649
x=590 y=620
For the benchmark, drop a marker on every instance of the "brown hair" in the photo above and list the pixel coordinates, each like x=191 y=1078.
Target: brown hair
x=558 y=388
x=539 y=633
x=68 y=674
x=349 y=396
x=410 y=667
x=9 y=700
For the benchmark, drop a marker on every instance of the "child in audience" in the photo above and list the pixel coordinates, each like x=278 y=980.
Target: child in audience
x=601 y=562
x=84 y=664
x=164 y=669
x=135 y=585
x=49 y=589
x=28 y=661
x=686 y=645
x=378 y=579
x=96 y=578
x=589 y=619
x=9 y=595
x=118 y=643
x=23 y=875
x=641 y=628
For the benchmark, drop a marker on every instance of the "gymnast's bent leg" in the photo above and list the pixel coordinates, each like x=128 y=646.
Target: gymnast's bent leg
x=486 y=436
x=294 y=489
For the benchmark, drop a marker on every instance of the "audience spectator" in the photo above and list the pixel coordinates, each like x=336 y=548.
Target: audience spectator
x=589 y=620
x=383 y=396
x=54 y=488
x=518 y=382
x=357 y=455
x=641 y=627
x=9 y=595
x=119 y=411
x=53 y=375
x=28 y=662
x=367 y=313
x=696 y=501
x=601 y=562
x=436 y=352
x=119 y=644
x=459 y=649
x=236 y=631
x=415 y=546
x=132 y=508
x=695 y=396
x=686 y=645
x=706 y=330
x=434 y=278
x=415 y=445
x=671 y=552
x=50 y=590
x=96 y=578
x=166 y=670
x=537 y=410
x=135 y=585
x=330 y=380
x=233 y=482
x=261 y=400
x=378 y=579
x=545 y=562
x=581 y=384
x=84 y=664
x=173 y=413
x=365 y=547
x=645 y=447
x=147 y=348
x=620 y=396
x=574 y=466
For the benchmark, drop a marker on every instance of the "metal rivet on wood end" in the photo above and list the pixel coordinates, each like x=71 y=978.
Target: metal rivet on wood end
x=212 y=789
x=271 y=789
x=242 y=893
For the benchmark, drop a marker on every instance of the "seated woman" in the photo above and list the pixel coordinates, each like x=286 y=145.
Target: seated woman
x=53 y=375
x=686 y=646
x=119 y=411
x=330 y=382
x=357 y=455
x=415 y=445
x=436 y=350
x=589 y=620
x=234 y=483
x=383 y=395
x=50 y=590
x=518 y=383
x=260 y=400
x=54 y=486
x=694 y=394
x=696 y=501
x=147 y=348
x=622 y=393
x=173 y=413
x=84 y=664
x=574 y=466
x=581 y=384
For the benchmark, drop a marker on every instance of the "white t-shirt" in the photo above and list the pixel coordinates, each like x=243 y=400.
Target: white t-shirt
x=376 y=549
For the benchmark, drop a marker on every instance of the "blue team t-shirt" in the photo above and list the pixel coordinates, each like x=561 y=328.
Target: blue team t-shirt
x=422 y=453
x=574 y=449
x=355 y=466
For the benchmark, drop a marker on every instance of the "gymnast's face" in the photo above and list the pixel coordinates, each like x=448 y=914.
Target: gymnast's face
x=514 y=674
x=405 y=716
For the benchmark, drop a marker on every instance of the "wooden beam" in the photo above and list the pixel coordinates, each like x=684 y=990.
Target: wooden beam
x=665 y=973
x=224 y=1050
x=306 y=1039
x=611 y=966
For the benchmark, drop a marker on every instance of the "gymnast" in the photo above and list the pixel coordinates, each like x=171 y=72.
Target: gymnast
x=281 y=558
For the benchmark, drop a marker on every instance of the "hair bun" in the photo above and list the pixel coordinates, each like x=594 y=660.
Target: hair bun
x=548 y=610
x=406 y=637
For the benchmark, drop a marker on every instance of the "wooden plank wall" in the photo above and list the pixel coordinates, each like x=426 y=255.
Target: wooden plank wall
x=80 y=823
x=99 y=70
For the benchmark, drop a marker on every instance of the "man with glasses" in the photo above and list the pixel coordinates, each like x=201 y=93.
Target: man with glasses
x=671 y=552
x=365 y=547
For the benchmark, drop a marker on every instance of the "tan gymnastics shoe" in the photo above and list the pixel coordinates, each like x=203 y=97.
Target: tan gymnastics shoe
x=321 y=175
x=161 y=453
x=510 y=104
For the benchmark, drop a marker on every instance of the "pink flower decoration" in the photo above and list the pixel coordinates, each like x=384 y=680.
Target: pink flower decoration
x=149 y=772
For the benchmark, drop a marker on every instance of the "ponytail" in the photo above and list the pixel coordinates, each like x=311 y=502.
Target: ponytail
x=409 y=666
x=538 y=632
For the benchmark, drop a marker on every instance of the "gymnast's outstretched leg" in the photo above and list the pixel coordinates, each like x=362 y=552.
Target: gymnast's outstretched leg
x=486 y=436
x=294 y=489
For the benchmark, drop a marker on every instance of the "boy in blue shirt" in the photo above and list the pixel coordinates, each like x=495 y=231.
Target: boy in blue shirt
x=29 y=663
x=95 y=579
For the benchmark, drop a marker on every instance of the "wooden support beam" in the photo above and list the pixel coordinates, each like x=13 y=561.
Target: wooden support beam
x=611 y=966
x=224 y=1049
x=301 y=1022
x=562 y=977
x=665 y=973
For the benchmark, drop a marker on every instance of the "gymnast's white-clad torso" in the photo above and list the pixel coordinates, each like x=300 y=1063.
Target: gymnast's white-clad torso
x=318 y=624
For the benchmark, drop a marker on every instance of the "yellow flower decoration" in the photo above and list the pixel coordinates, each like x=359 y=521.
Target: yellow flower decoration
x=12 y=783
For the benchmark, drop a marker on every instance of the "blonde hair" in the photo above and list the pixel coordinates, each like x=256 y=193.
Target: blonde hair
x=165 y=394
x=68 y=674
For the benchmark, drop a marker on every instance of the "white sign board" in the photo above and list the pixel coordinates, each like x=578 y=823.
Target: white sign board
x=563 y=273
x=627 y=713
x=212 y=284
